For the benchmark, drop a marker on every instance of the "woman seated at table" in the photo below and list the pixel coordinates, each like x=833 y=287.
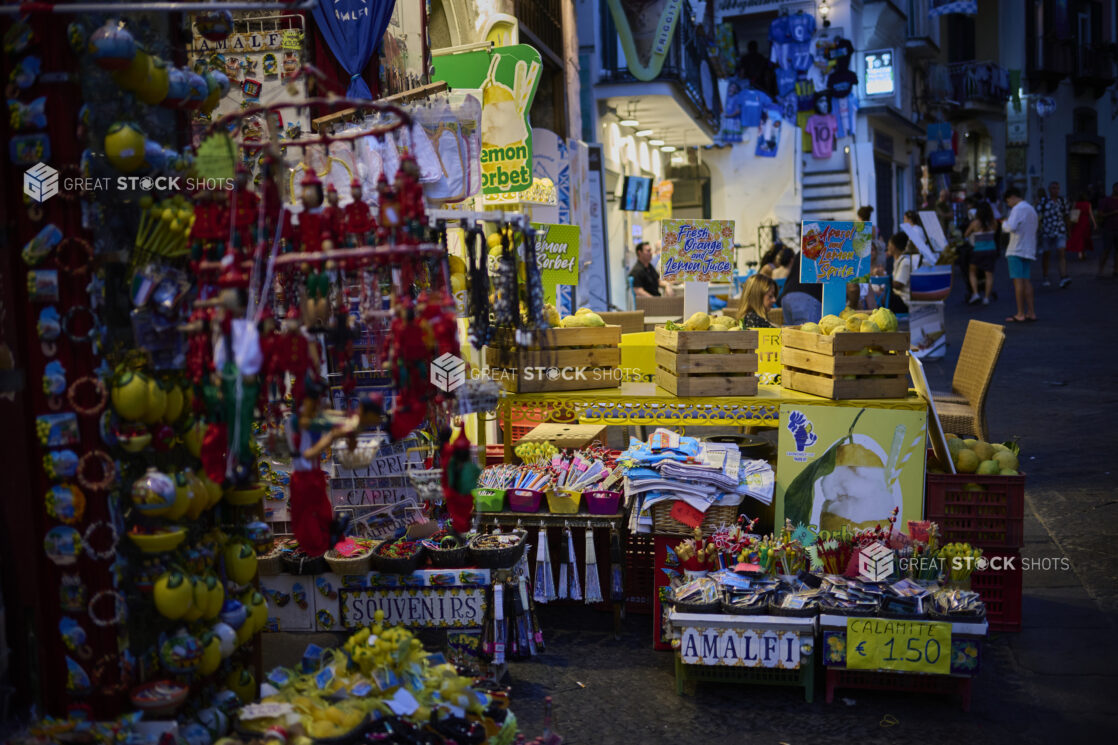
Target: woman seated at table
x=756 y=301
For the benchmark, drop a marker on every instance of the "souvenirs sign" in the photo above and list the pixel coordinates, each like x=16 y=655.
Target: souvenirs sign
x=431 y=607
x=557 y=249
x=741 y=648
x=909 y=646
x=507 y=78
x=697 y=250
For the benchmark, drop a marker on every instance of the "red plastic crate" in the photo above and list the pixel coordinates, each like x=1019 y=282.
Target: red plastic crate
x=1000 y=588
x=640 y=568
x=985 y=511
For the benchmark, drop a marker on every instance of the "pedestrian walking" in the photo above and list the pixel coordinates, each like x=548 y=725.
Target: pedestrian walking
x=1052 y=209
x=1022 y=228
x=1082 y=225
x=1108 y=218
x=982 y=232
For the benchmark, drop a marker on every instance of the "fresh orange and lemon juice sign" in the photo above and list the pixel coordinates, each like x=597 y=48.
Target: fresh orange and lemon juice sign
x=697 y=250
x=907 y=646
x=507 y=78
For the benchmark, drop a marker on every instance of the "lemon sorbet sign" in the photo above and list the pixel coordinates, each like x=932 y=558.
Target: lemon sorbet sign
x=507 y=78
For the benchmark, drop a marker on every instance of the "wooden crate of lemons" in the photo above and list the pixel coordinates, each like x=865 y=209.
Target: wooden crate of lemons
x=707 y=356
x=851 y=356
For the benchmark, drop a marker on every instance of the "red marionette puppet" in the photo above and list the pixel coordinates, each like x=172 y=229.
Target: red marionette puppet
x=204 y=231
x=309 y=434
x=271 y=203
x=334 y=216
x=409 y=352
x=358 y=216
x=245 y=211
x=460 y=475
x=438 y=311
x=312 y=222
x=290 y=352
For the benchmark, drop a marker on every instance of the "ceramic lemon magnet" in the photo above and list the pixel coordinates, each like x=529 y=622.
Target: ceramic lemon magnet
x=77 y=680
x=73 y=636
x=124 y=146
x=271 y=65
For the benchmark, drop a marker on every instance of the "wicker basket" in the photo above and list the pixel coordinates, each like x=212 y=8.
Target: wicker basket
x=270 y=564
x=458 y=556
x=302 y=564
x=958 y=617
x=857 y=612
x=715 y=517
x=743 y=610
x=392 y=565
x=358 y=564
x=497 y=558
x=778 y=610
x=715 y=607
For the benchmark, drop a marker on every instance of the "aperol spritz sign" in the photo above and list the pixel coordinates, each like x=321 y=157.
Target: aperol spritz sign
x=835 y=251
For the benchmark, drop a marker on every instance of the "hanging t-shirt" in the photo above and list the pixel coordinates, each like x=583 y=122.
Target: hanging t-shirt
x=801 y=26
x=779 y=30
x=752 y=101
x=819 y=73
x=785 y=81
x=823 y=129
x=844 y=110
x=841 y=52
x=841 y=83
x=805 y=95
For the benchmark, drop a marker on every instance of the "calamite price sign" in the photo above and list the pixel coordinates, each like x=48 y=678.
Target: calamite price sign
x=432 y=607
x=909 y=646
x=749 y=648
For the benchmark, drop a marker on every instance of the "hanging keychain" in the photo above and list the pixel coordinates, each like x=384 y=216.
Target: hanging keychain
x=481 y=332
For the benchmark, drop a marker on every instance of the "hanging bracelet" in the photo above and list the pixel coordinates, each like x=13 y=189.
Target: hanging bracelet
x=74 y=256
x=114 y=540
x=100 y=393
x=68 y=323
x=108 y=471
x=119 y=608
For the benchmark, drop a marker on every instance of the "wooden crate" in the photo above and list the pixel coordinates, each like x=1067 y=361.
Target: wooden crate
x=561 y=359
x=819 y=364
x=684 y=368
x=564 y=435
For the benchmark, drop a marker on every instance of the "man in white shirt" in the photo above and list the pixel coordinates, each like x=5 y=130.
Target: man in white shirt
x=1021 y=226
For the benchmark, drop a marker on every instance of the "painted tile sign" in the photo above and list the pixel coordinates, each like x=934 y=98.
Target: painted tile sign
x=697 y=250
x=432 y=607
x=749 y=648
x=835 y=251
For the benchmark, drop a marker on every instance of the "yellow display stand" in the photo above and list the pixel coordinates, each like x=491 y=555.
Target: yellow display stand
x=638 y=355
x=648 y=404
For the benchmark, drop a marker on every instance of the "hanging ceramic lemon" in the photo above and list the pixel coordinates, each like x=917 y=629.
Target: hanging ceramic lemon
x=241 y=682
x=182 y=501
x=240 y=561
x=124 y=146
x=174 y=403
x=192 y=437
x=227 y=638
x=198 y=599
x=216 y=592
x=130 y=395
x=154 y=87
x=157 y=403
x=195 y=502
x=178 y=89
x=211 y=654
x=173 y=595
x=135 y=73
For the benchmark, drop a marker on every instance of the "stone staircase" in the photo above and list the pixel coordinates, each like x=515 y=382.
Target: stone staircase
x=828 y=190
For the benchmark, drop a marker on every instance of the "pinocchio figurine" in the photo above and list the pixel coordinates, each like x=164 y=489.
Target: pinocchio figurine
x=245 y=210
x=358 y=216
x=313 y=228
x=334 y=216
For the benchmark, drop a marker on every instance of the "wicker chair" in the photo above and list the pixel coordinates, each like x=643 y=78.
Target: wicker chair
x=963 y=411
